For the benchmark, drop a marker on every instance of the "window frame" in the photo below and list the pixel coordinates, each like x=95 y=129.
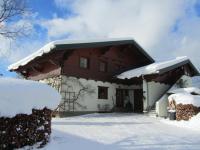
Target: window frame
x=105 y=97
x=106 y=66
x=88 y=62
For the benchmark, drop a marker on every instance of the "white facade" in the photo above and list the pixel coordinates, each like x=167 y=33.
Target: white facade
x=154 y=94
x=152 y=91
x=88 y=100
x=155 y=91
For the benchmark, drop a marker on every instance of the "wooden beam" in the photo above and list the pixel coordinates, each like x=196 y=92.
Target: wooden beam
x=53 y=62
x=41 y=76
x=34 y=68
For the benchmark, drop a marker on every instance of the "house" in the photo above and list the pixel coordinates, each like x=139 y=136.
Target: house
x=104 y=75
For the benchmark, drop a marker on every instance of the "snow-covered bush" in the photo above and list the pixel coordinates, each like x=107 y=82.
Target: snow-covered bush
x=25 y=112
x=23 y=129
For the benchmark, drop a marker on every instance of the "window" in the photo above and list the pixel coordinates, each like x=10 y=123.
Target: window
x=102 y=66
x=102 y=92
x=84 y=62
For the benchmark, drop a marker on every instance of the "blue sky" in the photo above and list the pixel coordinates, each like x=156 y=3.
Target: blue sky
x=165 y=29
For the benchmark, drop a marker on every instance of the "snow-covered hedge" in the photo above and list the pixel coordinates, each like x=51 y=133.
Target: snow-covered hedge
x=21 y=96
x=23 y=130
x=25 y=112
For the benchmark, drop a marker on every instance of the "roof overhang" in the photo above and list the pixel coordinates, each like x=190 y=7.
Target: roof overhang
x=158 y=68
x=75 y=44
x=161 y=71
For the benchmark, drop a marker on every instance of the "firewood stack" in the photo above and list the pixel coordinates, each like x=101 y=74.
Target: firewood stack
x=186 y=111
x=23 y=130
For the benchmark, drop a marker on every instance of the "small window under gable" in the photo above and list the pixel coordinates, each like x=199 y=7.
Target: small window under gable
x=102 y=92
x=102 y=66
x=84 y=62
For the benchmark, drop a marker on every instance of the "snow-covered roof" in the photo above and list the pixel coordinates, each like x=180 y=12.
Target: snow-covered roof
x=73 y=44
x=156 y=68
x=21 y=96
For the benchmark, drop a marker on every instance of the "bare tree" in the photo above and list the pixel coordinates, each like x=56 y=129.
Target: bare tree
x=11 y=11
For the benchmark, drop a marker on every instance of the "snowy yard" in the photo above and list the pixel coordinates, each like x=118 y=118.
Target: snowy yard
x=119 y=131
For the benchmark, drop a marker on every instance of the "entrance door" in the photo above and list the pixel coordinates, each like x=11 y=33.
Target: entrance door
x=138 y=100
x=119 y=98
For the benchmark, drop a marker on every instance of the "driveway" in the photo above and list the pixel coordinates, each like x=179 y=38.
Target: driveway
x=119 y=131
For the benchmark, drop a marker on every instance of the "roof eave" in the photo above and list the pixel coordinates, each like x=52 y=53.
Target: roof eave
x=161 y=71
x=93 y=44
x=106 y=43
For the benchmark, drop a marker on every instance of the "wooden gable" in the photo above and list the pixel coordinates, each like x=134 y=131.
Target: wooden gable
x=118 y=58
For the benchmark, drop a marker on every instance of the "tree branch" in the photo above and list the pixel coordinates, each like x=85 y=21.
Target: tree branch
x=11 y=10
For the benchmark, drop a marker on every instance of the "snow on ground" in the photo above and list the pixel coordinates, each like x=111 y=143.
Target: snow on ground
x=193 y=123
x=118 y=132
x=21 y=96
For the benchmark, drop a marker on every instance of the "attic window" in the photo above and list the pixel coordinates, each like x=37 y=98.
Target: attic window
x=84 y=62
x=102 y=66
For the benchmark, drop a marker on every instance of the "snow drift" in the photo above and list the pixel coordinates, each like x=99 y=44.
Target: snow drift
x=21 y=96
x=193 y=123
x=184 y=96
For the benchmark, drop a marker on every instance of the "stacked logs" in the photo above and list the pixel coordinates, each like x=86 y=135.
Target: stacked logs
x=186 y=111
x=25 y=130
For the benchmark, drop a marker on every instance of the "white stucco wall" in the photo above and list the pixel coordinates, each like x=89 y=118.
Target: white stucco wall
x=161 y=106
x=152 y=91
x=155 y=91
x=90 y=100
x=186 y=82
